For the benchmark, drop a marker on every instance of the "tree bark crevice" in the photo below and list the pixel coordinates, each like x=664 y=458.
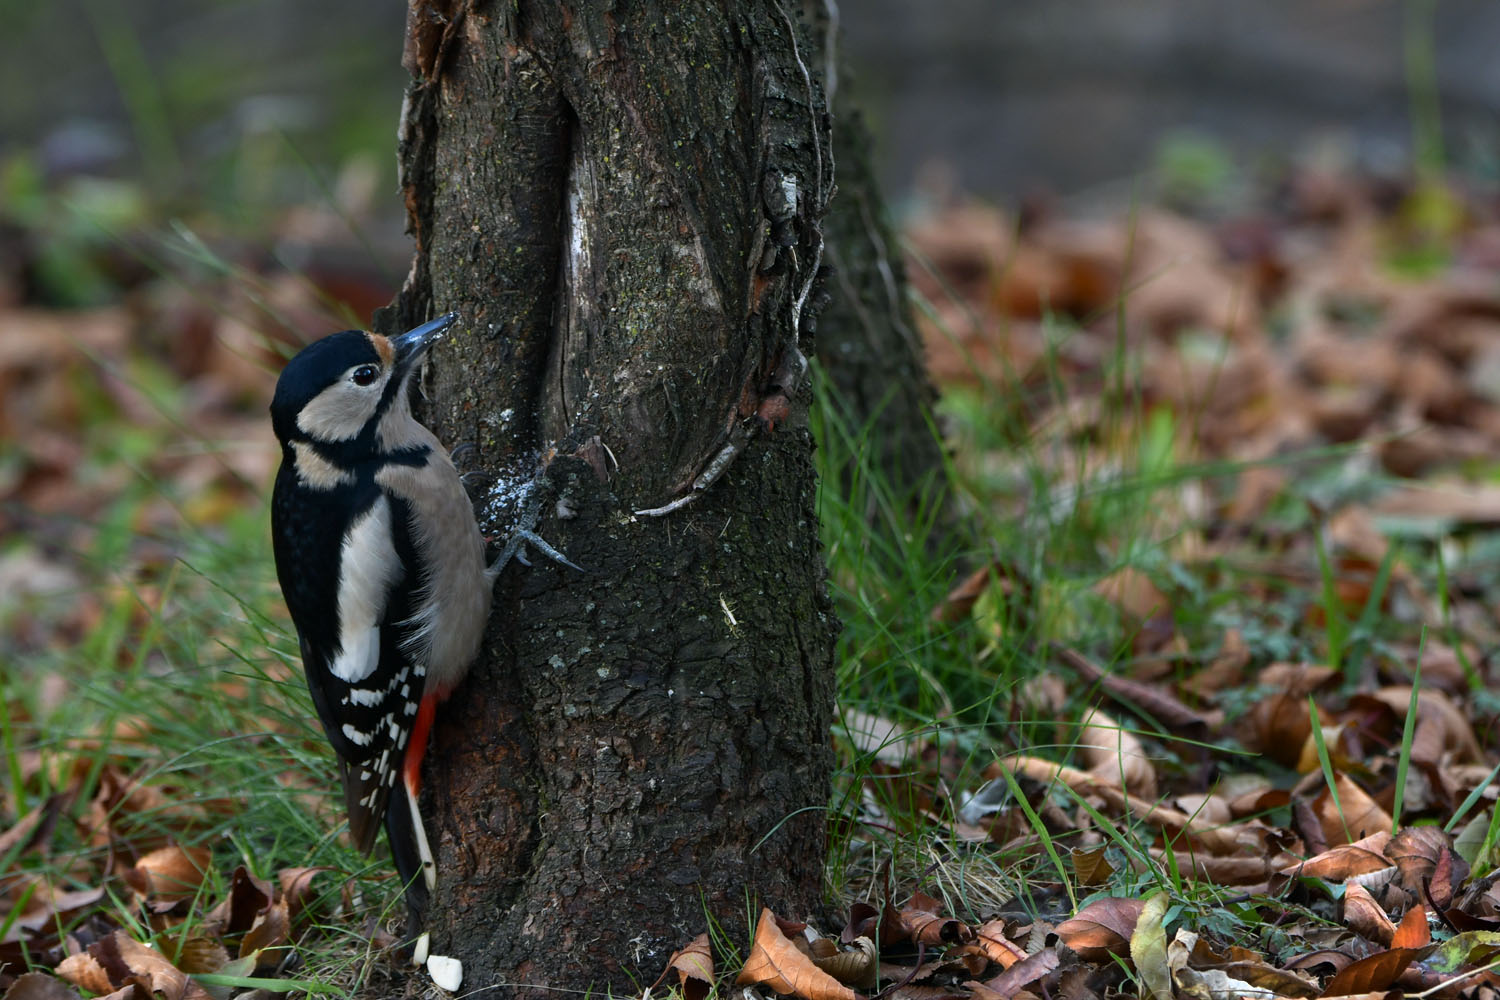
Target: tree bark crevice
x=624 y=207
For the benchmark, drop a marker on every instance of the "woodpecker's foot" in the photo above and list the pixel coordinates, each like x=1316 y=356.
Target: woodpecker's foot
x=516 y=549
x=532 y=495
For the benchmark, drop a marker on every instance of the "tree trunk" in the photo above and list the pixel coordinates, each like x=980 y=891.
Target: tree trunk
x=622 y=202
x=867 y=342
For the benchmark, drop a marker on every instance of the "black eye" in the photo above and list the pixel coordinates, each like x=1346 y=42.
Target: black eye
x=365 y=374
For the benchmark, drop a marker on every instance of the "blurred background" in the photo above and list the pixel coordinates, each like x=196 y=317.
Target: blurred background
x=257 y=102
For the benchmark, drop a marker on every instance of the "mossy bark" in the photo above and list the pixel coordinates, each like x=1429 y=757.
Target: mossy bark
x=623 y=204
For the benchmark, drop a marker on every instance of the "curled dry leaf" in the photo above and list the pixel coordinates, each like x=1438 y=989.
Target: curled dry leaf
x=1450 y=872
x=84 y=971
x=1236 y=839
x=1354 y=815
x=297 y=892
x=1339 y=740
x=923 y=925
x=170 y=873
x=694 y=966
x=1243 y=872
x=1277 y=726
x=959 y=603
x=1296 y=679
x=272 y=930
x=1365 y=917
x=775 y=962
x=199 y=953
x=1205 y=808
x=1116 y=756
x=855 y=967
x=1102 y=928
x=248 y=896
x=1278 y=982
x=884 y=924
x=1150 y=699
x=999 y=948
x=1457 y=732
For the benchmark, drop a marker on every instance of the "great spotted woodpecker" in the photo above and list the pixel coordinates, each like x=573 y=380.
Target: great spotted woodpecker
x=383 y=569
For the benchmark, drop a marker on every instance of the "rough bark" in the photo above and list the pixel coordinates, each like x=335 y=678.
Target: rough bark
x=623 y=205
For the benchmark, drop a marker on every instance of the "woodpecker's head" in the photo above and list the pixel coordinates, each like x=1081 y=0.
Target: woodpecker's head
x=351 y=387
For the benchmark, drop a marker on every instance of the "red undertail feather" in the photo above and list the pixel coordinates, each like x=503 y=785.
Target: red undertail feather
x=418 y=745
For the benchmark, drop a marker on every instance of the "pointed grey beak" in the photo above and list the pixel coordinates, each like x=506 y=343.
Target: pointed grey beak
x=412 y=345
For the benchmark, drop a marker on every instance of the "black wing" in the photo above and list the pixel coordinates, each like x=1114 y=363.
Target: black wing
x=368 y=711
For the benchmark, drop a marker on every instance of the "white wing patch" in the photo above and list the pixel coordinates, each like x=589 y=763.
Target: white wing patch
x=368 y=568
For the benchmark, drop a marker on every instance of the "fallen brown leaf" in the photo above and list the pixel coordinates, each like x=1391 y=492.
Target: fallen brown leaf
x=271 y=931
x=1000 y=949
x=1115 y=755
x=923 y=924
x=1150 y=699
x=1023 y=973
x=1277 y=726
x=1455 y=728
x=248 y=896
x=694 y=966
x=1413 y=932
x=170 y=873
x=1354 y=814
x=1368 y=975
x=114 y=961
x=1091 y=866
x=1102 y=928
x=883 y=924
x=84 y=971
x=297 y=892
x=1346 y=861
x=1416 y=850
x=856 y=966
x=1365 y=917
x=775 y=962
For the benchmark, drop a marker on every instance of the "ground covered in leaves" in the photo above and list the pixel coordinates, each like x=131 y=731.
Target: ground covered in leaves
x=1208 y=713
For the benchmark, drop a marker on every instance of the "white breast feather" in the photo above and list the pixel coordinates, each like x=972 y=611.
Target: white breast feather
x=368 y=568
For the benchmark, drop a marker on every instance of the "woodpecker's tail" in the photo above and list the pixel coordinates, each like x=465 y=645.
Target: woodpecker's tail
x=414 y=862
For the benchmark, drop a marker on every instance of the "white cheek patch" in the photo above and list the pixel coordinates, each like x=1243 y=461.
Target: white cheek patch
x=340 y=412
x=368 y=568
x=316 y=472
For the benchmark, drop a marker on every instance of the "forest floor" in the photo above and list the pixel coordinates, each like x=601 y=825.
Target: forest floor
x=1182 y=686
